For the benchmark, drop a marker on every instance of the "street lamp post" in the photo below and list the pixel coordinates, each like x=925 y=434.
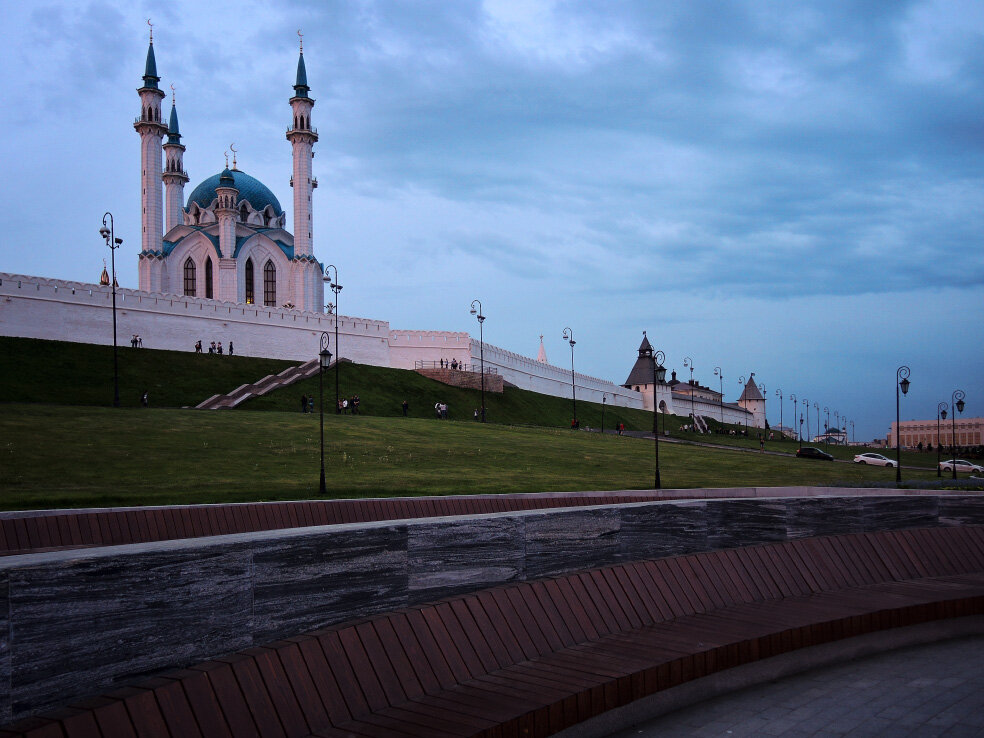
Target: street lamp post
x=801 y=428
x=764 y=391
x=481 y=346
x=792 y=397
x=826 y=436
x=720 y=375
x=901 y=382
x=779 y=395
x=940 y=413
x=807 y=403
x=335 y=287
x=569 y=337
x=687 y=361
x=837 y=421
x=659 y=374
x=109 y=234
x=817 y=408
x=957 y=406
x=324 y=361
x=854 y=438
x=741 y=383
x=604 y=399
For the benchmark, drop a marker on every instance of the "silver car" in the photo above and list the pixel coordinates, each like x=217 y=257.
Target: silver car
x=962 y=466
x=874 y=460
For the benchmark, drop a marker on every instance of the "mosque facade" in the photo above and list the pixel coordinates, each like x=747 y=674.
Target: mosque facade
x=228 y=242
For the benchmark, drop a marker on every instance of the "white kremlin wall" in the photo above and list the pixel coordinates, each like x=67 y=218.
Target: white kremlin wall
x=36 y=307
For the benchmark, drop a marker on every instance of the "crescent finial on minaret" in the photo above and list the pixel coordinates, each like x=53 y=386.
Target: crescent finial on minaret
x=151 y=30
x=172 y=94
x=232 y=148
x=227 y=158
x=301 y=37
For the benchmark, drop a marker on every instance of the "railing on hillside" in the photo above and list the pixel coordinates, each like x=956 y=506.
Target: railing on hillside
x=474 y=368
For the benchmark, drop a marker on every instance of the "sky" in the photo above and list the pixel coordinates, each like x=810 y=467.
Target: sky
x=790 y=189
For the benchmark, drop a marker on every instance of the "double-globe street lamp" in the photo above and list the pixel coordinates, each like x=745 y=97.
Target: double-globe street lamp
x=807 y=404
x=940 y=413
x=901 y=382
x=779 y=395
x=324 y=361
x=720 y=375
x=335 y=287
x=481 y=346
x=108 y=233
x=687 y=361
x=957 y=406
x=569 y=337
x=792 y=397
x=659 y=375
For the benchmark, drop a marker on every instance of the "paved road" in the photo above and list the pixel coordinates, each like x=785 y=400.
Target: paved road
x=930 y=690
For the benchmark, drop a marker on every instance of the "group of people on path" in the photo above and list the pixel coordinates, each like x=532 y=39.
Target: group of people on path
x=213 y=348
x=345 y=405
x=136 y=341
x=453 y=364
x=441 y=408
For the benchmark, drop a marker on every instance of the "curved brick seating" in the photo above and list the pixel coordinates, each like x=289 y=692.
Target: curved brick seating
x=535 y=657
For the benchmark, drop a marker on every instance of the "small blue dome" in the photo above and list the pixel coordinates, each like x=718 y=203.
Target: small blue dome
x=250 y=189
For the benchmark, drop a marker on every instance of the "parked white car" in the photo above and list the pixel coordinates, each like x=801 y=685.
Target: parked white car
x=962 y=466
x=874 y=460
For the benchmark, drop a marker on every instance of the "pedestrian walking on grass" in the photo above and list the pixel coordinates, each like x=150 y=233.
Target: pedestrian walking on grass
x=406 y=406
x=303 y=403
x=230 y=348
x=145 y=399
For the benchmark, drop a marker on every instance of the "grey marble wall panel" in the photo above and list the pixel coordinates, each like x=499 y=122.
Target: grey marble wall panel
x=5 y=716
x=807 y=517
x=898 y=513
x=476 y=553
x=962 y=510
x=655 y=530
x=733 y=523
x=81 y=626
x=566 y=540
x=307 y=582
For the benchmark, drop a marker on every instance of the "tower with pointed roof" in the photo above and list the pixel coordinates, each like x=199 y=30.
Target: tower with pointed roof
x=151 y=130
x=174 y=176
x=751 y=399
x=642 y=379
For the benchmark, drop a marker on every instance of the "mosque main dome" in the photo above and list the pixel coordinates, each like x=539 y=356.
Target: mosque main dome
x=250 y=189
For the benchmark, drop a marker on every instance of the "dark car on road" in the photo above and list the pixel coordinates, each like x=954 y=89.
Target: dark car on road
x=808 y=452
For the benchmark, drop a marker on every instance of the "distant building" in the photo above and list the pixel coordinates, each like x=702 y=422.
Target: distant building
x=832 y=435
x=970 y=432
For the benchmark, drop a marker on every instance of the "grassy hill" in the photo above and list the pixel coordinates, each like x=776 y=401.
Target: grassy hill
x=59 y=372
x=59 y=456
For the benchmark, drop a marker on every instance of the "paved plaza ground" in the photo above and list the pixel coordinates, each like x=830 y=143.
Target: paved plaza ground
x=929 y=690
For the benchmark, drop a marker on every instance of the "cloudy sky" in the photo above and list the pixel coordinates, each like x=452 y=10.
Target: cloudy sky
x=794 y=189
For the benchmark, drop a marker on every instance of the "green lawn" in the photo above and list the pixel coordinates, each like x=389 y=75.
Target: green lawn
x=62 y=456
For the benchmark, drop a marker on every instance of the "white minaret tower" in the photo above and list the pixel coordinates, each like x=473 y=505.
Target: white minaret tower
x=174 y=176
x=151 y=130
x=308 y=292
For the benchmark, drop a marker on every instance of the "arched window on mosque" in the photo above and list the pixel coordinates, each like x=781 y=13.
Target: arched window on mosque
x=243 y=212
x=250 y=297
x=189 y=277
x=208 y=278
x=269 y=284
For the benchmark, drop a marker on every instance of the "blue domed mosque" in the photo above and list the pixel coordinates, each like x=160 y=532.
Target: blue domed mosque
x=228 y=241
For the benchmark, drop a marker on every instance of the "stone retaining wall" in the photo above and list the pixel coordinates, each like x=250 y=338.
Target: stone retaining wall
x=75 y=622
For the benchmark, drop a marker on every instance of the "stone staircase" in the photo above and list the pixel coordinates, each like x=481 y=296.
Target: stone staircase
x=264 y=386
x=700 y=424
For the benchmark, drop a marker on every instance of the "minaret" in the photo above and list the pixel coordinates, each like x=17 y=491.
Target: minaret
x=227 y=195
x=307 y=290
x=302 y=138
x=151 y=131
x=174 y=176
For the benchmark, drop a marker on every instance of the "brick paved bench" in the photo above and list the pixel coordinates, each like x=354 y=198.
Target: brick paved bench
x=535 y=657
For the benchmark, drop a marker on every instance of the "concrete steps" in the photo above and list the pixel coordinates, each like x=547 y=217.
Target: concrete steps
x=465 y=379
x=264 y=386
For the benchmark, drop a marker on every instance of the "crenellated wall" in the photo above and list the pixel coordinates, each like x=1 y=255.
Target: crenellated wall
x=34 y=307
